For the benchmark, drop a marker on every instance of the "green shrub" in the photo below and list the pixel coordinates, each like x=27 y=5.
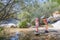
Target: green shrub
x=1 y=28
x=23 y=24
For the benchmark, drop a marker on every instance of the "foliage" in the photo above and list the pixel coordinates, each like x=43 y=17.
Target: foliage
x=58 y=1
x=1 y=28
x=35 y=9
x=23 y=24
x=8 y=9
x=27 y=9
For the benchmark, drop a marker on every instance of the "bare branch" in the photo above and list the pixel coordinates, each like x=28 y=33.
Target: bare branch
x=5 y=6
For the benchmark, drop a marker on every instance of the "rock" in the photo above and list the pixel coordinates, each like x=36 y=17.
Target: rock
x=56 y=24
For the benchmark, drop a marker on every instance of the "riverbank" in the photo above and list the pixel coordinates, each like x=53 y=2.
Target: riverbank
x=29 y=33
x=13 y=30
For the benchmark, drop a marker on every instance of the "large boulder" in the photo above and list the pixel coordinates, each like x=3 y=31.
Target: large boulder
x=9 y=23
x=56 y=15
x=56 y=24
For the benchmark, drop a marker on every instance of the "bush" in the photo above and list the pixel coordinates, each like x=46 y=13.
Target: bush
x=23 y=24
x=1 y=28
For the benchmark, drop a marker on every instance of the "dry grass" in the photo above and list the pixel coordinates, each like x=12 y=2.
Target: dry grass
x=28 y=34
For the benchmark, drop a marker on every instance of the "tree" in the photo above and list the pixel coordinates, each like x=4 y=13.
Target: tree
x=8 y=9
x=36 y=9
